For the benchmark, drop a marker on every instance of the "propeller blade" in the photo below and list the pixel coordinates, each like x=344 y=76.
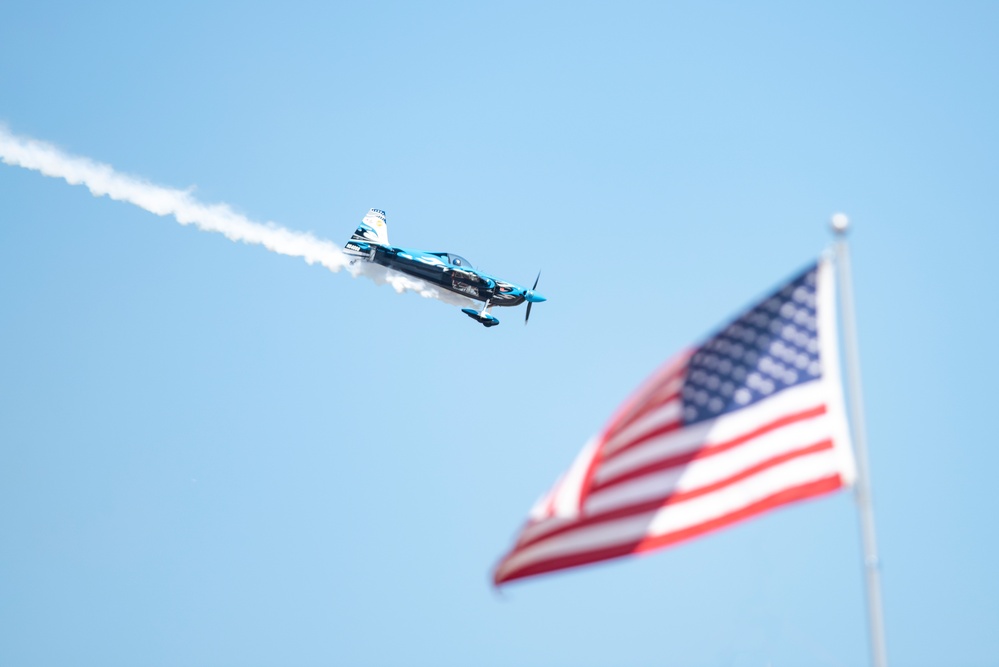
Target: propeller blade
x=527 y=315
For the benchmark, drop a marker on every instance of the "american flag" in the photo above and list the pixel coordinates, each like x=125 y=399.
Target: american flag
x=750 y=420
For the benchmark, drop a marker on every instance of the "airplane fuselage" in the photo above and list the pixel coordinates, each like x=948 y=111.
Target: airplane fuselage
x=450 y=272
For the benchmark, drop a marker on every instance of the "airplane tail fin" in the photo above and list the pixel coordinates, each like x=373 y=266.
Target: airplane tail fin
x=371 y=232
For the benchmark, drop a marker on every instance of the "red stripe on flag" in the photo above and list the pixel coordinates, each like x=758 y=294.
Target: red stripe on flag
x=635 y=407
x=670 y=498
x=789 y=495
x=645 y=437
x=645 y=410
x=710 y=450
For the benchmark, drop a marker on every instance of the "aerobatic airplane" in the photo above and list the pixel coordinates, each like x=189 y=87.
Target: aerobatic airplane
x=370 y=243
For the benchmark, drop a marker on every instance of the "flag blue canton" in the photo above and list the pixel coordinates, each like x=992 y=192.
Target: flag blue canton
x=771 y=347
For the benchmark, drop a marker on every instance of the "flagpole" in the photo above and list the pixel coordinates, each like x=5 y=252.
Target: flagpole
x=865 y=507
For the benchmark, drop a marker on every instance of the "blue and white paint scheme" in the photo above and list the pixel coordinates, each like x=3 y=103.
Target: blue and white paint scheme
x=370 y=243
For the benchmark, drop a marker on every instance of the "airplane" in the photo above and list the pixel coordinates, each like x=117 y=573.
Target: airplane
x=452 y=272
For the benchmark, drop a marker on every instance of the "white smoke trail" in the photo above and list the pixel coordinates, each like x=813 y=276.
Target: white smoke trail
x=102 y=179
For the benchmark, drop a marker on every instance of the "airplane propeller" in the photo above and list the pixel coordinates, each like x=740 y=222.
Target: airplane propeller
x=532 y=298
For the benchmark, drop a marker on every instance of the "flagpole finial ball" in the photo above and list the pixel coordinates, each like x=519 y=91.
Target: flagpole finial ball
x=840 y=223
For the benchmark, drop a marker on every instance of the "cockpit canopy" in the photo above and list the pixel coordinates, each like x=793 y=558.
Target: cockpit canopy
x=459 y=261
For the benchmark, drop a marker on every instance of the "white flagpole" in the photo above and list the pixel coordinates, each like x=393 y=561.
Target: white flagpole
x=872 y=566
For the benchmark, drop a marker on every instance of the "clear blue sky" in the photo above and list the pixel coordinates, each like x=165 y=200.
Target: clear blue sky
x=211 y=454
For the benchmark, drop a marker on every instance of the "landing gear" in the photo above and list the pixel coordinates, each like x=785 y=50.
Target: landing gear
x=481 y=316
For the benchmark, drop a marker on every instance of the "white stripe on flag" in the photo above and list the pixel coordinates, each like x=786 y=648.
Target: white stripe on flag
x=705 y=471
x=710 y=469
x=674 y=518
x=668 y=413
x=725 y=428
